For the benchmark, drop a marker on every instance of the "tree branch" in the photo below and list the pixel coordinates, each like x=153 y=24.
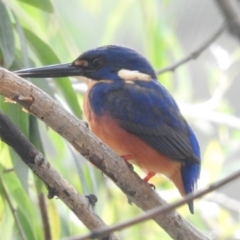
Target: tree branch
x=231 y=11
x=197 y=111
x=225 y=201
x=42 y=106
x=159 y=210
x=57 y=186
x=196 y=53
x=44 y=216
x=13 y=210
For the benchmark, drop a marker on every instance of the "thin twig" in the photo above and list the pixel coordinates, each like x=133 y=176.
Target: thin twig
x=57 y=186
x=196 y=53
x=44 y=215
x=13 y=210
x=225 y=201
x=198 y=112
x=231 y=12
x=159 y=210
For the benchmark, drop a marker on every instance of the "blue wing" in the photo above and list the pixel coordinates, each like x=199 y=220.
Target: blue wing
x=147 y=110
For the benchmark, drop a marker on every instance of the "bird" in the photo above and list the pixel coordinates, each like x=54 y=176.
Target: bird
x=133 y=113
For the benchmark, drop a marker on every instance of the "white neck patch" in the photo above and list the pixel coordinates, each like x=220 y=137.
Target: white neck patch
x=128 y=75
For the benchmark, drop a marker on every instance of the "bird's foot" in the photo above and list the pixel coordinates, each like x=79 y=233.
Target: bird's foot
x=147 y=178
x=129 y=201
x=92 y=199
x=85 y=124
x=126 y=158
x=130 y=166
x=152 y=186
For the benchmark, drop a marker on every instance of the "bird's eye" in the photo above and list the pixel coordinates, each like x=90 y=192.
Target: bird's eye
x=97 y=62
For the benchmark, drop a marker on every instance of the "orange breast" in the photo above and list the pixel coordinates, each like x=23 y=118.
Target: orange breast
x=125 y=143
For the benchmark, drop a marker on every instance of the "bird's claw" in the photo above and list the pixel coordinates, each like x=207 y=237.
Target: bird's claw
x=152 y=186
x=85 y=124
x=92 y=199
x=129 y=201
x=130 y=166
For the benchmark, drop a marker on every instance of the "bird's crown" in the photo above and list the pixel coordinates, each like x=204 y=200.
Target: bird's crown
x=113 y=61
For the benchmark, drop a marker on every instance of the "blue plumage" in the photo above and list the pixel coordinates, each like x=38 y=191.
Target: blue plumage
x=133 y=113
x=115 y=58
x=148 y=111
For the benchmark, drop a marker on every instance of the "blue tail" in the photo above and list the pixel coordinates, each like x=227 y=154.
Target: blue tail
x=191 y=171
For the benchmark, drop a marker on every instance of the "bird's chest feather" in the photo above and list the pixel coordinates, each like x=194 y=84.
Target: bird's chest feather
x=98 y=103
x=127 y=144
x=104 y=125
x=100 y=122
x=94 y=103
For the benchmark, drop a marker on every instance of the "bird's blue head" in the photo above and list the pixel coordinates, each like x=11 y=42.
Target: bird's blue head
x=110 y=62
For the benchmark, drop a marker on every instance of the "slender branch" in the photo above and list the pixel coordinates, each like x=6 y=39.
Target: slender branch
x=231 y=11
x=196 y=53
x=34 y=138
x=57 y=186
x=41 y=105
x=198 y=112
x=225 y=201
x=159 y=210
x=44 y=216
x=13 y=210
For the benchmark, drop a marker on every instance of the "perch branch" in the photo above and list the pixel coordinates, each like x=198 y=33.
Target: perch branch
x=57 y=186
x=231 y=11
x=196 y=53
x=75 y=131
x=159 y=210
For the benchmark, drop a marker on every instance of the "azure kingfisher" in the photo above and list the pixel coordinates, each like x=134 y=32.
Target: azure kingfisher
x=130 y=111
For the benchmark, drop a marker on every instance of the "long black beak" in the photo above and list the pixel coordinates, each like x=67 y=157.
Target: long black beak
x=52 y=71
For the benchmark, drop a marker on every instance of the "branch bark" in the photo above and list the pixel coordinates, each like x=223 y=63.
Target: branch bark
x=45 y=108
x=57 y=186
x=231 y=12
x=162 y=209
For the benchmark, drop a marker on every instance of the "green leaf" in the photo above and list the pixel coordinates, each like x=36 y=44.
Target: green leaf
x=65 y=86
x=15 y=195
x=214 y=157
x=21 y=120
x=26 y=223
x=21 y=169
x=116 y=17
x=44 y=5
x=35 y=139
x=23 y=42
x=54 y=219
x=43 y=51
x=6 y=37
x=47 y=56
x=6 y=223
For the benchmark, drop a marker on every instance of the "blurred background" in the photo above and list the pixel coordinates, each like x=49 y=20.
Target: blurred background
x=38 y=33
